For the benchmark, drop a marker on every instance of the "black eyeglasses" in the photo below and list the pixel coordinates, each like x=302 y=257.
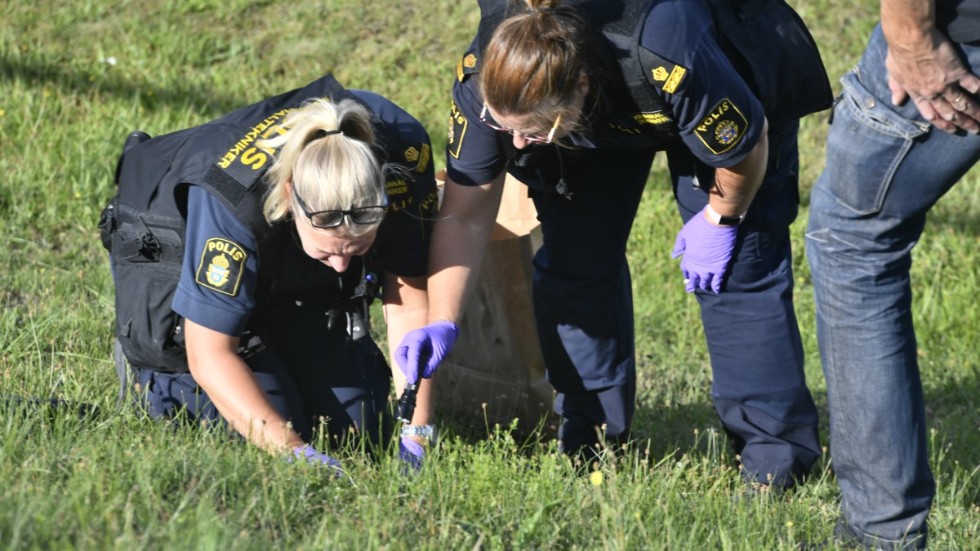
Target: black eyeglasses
x=529 y=137
x=326 y=219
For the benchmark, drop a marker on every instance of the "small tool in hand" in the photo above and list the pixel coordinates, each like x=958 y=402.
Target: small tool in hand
x=406 y=404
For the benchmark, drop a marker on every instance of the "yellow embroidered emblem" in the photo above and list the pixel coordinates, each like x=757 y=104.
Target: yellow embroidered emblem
x=651 y=118
x=425 y=156
x=466 y=62
x=419 y=157
x=395 y=187
x=221 y=266
x=457 y=130
x=722 y=128
x=675 y=79
x=660 y=74
x=726 y=133
x=411 y=154
x=218 y=271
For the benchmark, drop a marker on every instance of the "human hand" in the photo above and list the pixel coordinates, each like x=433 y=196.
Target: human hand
x=411 y=453
x=433 y=342
x=707 y=249
x=309 y=454
x=932 y=74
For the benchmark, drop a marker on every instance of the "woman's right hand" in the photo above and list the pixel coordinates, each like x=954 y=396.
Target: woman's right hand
x=421 y=350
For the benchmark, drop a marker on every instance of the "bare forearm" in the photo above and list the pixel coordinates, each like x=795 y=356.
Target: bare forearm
x=240 y=400
x=736 y=186
x=406 y=309
x=459 y=242
x=907 y=22
x=425 y=405
x=230 y=385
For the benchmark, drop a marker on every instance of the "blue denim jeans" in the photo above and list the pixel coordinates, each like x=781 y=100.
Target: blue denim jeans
x=885 y=168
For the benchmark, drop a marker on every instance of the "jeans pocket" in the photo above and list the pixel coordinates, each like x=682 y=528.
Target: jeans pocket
x=867 y=137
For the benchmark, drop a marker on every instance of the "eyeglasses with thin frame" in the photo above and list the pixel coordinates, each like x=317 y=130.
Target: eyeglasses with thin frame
x=529 y=137
x=326 y=219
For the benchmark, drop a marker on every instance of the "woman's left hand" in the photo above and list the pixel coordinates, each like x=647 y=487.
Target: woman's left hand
x=411 y=452
x=706 y=250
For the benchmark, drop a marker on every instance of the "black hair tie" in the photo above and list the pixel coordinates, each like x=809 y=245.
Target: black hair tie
x=324 y=133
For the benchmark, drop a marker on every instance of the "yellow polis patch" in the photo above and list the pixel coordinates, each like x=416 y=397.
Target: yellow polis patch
x=221 y=266
x=722 y=128
x=457 y=130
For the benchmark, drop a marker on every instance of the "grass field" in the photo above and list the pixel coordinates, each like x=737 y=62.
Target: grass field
x=77 y=77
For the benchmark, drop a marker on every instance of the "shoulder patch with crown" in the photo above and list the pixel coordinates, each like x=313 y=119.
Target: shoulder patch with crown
x=661 y=72
x=466 y=66
x=221 y=266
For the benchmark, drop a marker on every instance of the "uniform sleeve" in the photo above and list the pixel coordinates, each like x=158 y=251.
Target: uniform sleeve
x=717 y=114
x=474 y=152
x=219 y=272
x=402 y=245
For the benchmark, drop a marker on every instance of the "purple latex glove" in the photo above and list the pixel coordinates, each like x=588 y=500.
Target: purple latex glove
x=707 y=249
x=309 y=454
x=432 y=343
x=411 y=452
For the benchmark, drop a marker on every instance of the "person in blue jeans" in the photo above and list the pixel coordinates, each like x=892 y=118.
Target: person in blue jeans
x=887 y=165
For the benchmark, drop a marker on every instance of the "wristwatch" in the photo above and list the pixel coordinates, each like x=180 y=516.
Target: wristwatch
x=429 y=432
x=723 y=220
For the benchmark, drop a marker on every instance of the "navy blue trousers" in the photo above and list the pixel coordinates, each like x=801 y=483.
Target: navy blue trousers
x=584 y=311
x=313 y=375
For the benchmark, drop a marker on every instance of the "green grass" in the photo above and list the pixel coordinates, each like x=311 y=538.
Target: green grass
x=118 y=480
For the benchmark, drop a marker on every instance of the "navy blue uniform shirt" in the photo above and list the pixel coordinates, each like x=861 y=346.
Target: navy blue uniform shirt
x=222 y=297
x=697 y=83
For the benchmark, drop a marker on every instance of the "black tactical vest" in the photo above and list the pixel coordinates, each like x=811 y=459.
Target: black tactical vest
x=142 y=227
